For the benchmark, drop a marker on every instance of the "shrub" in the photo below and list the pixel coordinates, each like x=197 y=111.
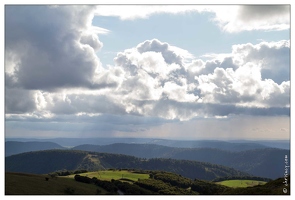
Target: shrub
x=98 y=191
x=69 y=190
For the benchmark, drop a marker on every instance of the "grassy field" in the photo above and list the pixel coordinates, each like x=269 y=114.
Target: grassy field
x=30 y=184
x=241 y=183
x=116 y=174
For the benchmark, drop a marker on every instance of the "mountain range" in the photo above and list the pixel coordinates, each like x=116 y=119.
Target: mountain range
x=267 y=162
x=253 y=158
x=48 y=161
x=231 y=145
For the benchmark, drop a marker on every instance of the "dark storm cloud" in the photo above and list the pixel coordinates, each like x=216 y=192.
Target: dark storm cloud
x=53 y=46
x=236 y=18
x=225 y=110
x=19 y=101
x=124 y=119
x=171 y=109
x=262 y=12
x=72 y=123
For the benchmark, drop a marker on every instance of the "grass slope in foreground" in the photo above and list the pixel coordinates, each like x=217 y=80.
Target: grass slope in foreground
x=32 y=184
x=158 y=183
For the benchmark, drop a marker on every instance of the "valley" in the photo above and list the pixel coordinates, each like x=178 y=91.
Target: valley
x=141 y=168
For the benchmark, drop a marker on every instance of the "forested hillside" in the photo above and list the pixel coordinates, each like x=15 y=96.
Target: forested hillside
x=267 y=162
x=42 y=162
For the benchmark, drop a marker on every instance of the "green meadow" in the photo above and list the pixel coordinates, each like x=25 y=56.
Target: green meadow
x=241 y=183
x=114 y=174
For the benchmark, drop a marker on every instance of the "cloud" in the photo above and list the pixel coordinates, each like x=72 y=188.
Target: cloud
x=55 y=49
x=54 y=80
x=96 y=124
x=82 y=103
x=273 y=57
x=242 y=78
x=155 y=79
x=230 y=18
x=19 y=101
x=149 y=68
x=235 y=19
x=171 y=54
x=153 y=71
x=132 y=12
x=262 y=12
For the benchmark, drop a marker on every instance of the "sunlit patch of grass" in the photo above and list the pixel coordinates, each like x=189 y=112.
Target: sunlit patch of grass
x=114 y=174
x=241 y=183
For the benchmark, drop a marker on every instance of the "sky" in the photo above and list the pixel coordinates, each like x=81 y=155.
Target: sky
x=161 y=71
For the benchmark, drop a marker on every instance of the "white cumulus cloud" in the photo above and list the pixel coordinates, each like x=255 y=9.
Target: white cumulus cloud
x=230 y=18
x=154 y=79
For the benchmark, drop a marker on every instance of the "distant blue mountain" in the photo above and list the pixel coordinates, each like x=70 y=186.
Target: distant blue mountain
x=281 y=144
x=253 y=157
x=235 y=145
x=14 y=147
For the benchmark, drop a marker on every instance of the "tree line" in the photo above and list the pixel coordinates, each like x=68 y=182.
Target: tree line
x=114 y=185
x=167 y=183
x=67 y=172
x=256 y=178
